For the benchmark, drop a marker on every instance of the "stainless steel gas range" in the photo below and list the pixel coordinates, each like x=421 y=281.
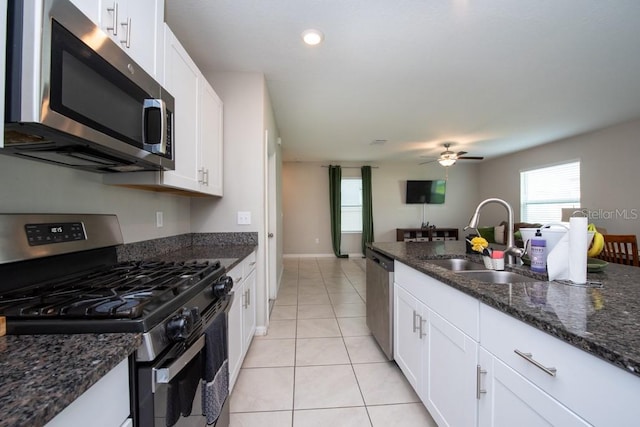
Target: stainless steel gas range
x=60 y=275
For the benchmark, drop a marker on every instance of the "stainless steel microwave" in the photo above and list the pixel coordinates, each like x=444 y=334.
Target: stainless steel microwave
x=75 y=98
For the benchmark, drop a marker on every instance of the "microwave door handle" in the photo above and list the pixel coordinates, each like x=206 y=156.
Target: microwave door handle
x=165 y=375
x=148 y=104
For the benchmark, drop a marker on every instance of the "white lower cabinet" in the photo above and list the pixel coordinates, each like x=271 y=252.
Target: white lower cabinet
x=450 y=380
x=508 y=399
x=105 y=404
x=249 y=309
x=409 y=347
x=241 y=321
x=473 y=365
x=438 y=359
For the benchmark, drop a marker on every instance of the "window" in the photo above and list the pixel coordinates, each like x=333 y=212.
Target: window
x=546 y=191
x=351 y=205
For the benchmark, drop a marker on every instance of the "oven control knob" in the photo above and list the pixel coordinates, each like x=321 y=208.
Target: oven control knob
x=222 y=286
x=180 y=326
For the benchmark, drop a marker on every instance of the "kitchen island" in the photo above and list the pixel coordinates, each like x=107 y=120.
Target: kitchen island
x=606 y=323
x=530 y=351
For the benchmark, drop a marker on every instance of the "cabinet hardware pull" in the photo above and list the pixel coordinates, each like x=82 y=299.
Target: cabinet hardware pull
x=114 y=22
x=415 y=328
x=248 y=297
x=200 y=175
x=479 y=389
x=244 y=300
x=251 y=264
x=205 y=177
x=127 y=41
x=421 y=333
x=529 y=358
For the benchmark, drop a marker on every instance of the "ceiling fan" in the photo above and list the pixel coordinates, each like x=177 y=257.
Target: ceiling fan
x=448 y=158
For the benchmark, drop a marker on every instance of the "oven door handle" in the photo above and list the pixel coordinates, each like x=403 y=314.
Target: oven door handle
x=164 y=375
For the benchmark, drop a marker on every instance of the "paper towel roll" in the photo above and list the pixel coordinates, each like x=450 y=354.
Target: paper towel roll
x=578 y=246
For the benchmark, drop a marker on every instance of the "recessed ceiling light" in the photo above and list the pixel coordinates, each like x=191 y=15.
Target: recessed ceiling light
x=312 y=37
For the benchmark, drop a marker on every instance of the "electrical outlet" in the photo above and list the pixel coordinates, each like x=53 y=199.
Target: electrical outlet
x=244 y=218
x=159 y=219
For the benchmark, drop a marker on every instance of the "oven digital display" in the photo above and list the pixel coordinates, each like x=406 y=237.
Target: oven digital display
x=45 y=234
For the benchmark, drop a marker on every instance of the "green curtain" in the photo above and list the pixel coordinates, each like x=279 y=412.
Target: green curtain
x=367 y=208
x=335 y=183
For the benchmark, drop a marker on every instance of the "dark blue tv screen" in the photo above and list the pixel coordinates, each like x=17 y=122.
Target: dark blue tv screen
x=419 y=192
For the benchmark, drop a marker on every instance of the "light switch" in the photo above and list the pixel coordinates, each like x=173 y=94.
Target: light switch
x=244 y=218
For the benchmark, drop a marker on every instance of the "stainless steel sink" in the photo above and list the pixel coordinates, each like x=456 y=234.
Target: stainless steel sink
x=457 y=264
x=493 y=276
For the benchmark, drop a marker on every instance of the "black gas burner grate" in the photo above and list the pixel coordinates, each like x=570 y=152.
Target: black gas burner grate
x=122 y=291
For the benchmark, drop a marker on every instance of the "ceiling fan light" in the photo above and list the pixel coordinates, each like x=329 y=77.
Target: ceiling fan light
x=447 y=162
x=312 y=37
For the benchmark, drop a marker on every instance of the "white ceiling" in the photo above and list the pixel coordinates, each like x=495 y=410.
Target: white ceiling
x=494 y=76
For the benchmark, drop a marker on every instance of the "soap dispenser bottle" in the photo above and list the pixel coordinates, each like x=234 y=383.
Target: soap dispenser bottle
x=538 y=253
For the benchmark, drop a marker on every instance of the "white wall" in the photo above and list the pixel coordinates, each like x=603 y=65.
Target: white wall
x=306 y=203
x=34 y=187
x=609 y=161
x=245 y=120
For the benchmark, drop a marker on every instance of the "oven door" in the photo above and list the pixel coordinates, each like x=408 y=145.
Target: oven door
x=169 y=390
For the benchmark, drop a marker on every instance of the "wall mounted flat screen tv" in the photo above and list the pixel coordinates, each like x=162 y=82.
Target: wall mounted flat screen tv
x=419 y=192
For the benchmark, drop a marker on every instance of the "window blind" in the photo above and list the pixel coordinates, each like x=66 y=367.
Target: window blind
x=544 y=192
x=351 y=212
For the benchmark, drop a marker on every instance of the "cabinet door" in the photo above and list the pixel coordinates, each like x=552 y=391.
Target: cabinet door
x=3 y=46
x=141 y=37
x=510 y=400
x=408 y=345
x=135 y=26
x=249 y=313
x=181 y=80
x=235 y=336
x=210 y=139
x=449 y=381
x=91 y=8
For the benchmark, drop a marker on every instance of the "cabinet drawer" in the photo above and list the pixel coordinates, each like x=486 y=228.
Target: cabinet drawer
x=249 y=263
x=459 y=309
x=596 y=390
x=237 y=274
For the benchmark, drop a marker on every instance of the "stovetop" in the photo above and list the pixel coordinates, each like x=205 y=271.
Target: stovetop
x=126 y=297
x=123 y=291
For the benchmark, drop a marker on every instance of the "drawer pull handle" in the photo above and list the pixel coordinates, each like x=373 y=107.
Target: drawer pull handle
x=529 y=358
x=479 y=389
x=415 y=315
x=422 y=333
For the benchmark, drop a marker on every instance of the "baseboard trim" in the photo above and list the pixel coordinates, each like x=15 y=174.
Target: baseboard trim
x=356 y=255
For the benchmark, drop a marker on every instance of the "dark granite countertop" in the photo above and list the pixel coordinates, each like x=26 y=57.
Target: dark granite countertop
x=602 y=321
x=43 y=374
x=229 y=255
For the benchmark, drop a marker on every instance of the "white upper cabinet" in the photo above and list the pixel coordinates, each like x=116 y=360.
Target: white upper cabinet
x=182 y=79
x=136 y=26
x=91 y=8
x=3 y=45
x=197 y=142
x=198 y=123
x=210 y=139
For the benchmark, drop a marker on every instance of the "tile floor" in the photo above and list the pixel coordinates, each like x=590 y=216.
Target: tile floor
x=319 y=365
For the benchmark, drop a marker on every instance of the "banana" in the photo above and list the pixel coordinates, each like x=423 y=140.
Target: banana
x=596 y=246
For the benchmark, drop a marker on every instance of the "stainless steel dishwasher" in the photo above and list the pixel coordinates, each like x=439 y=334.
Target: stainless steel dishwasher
x=380 y=299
